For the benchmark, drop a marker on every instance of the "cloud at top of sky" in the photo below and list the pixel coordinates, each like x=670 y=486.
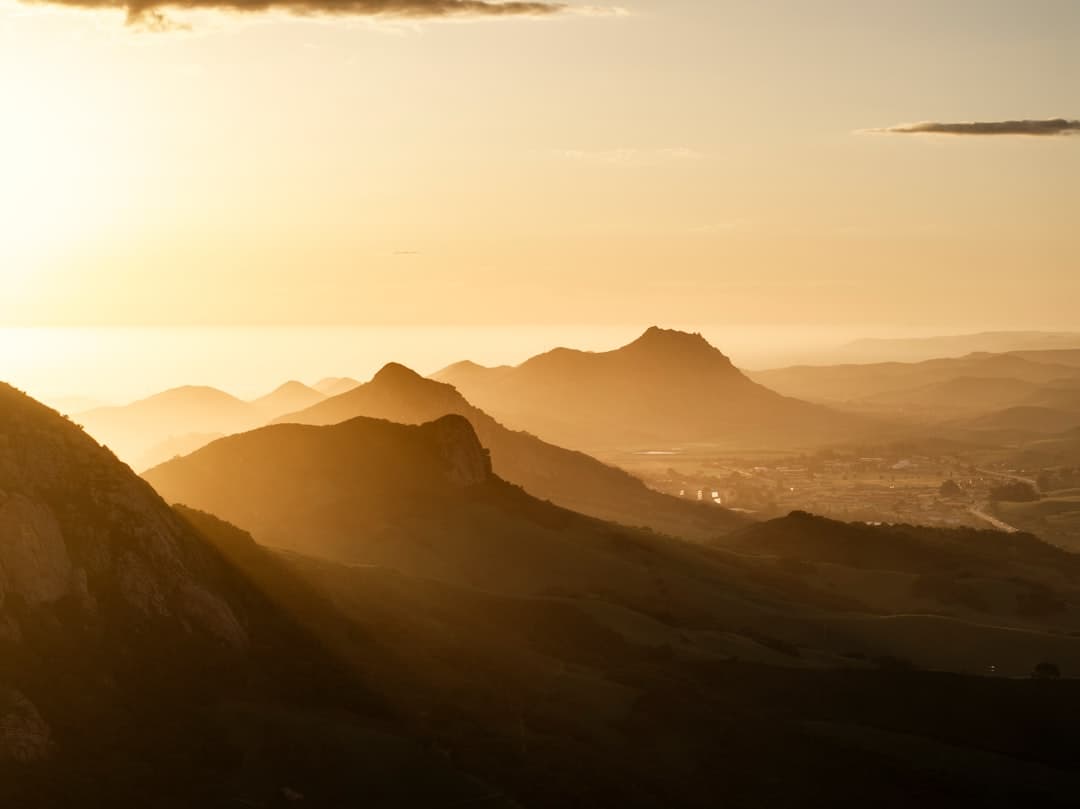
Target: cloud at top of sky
x=1050 y=127
x=152 y=15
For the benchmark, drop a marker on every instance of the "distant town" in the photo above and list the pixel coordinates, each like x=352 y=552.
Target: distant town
x=942 y=490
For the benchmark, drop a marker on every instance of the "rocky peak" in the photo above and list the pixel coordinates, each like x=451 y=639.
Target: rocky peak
x=676 y=348
x=78 y=525
x=467 y=461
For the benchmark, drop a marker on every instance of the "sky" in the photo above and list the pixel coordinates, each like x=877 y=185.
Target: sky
x=685 y=161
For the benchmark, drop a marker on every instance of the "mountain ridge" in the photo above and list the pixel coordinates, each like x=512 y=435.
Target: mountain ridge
x=566 y=477
x=666 y=387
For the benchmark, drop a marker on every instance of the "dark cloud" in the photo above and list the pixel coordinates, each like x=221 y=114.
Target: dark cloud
x=1047 y=128
x=151 y=14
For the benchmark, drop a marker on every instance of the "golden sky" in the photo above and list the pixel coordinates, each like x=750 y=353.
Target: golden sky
x=678 y=162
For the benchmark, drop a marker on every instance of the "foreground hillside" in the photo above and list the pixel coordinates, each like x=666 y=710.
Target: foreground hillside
x=570 y=479
x=174 y=662
x=140 y=667
x=665 y=389
x=560 y=701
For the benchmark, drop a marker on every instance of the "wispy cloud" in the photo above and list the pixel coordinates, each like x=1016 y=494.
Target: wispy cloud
x=1050 y=127
x=151 y=14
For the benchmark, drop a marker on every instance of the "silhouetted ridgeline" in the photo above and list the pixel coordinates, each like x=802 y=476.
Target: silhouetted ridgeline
x=665 y=389
x=570 y=479
x=160 y=657
x=178 y=421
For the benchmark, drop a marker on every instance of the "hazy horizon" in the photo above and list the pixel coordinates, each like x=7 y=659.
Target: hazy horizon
x=118 y=364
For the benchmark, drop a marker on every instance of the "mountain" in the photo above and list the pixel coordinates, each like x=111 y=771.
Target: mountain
x=923 y=348
x=900 y=382
x=177 y=421
x=570 y=479
x=1069 y=356
x=86 y=543
x=665 y=389
x=140 y=665
x=132 y=430
x=173 y=662
x=335 y=385
x=1025 y=419
x=420 y=499
x=542 y=649
x=961 y=393
x=287 y=398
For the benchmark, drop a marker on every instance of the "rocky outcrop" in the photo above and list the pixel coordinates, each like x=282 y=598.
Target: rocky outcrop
x=24 y=735
x=75 y=522
x=34 y=561
x=467 y=462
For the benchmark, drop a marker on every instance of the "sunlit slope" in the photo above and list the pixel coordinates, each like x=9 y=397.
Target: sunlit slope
x=570 y=479
x=421 y=500
x=140 y=666
x=665 y=389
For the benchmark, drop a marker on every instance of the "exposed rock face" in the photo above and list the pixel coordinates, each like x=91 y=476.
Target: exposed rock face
x=468 y=463
x=24 y=735
x=34 y=561
x=76 y=524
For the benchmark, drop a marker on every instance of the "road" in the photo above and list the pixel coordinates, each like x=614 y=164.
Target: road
x=1006 y=476
x=994 y=521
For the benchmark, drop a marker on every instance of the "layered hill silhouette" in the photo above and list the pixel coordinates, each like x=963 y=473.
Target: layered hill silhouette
x=288 y=397
x=929 y=383
x=160 y=657
x=177 y=421
x=917 y=349
x=664 y=389
x=335 y=385
x=422 y=500
x=143 y=664
x=568 y=478
x=418 y=498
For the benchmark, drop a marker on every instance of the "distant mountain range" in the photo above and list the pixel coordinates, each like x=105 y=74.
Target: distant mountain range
x=570 y=479
x=665 y=389
x=901 y=383
x=916 y=349
x=151 y=430
x=335 y=385
x=482 y=647
x=987 y=397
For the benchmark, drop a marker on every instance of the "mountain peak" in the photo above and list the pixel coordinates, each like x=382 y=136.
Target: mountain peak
x=671 y=338
x=292 y=386
x=394 y=373
x=672 y=344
